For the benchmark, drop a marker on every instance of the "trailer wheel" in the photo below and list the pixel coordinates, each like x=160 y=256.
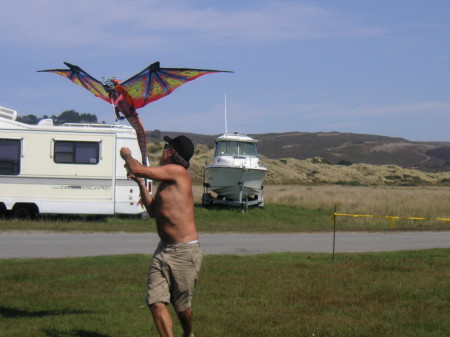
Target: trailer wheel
x=206 y=200
x=24 y=211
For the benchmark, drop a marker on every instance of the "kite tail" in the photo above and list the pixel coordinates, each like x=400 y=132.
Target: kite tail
x=136 y=123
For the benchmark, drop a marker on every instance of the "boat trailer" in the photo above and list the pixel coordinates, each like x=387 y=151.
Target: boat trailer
x=208 y=200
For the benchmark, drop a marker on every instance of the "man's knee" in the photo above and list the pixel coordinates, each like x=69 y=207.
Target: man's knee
x=185 y=313
x=157 y=307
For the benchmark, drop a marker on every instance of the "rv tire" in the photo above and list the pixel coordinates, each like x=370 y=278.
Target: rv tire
x=24 y=211
x=3 y=210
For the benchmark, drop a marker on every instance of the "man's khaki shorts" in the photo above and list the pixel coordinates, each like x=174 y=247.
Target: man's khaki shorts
x=173 y=274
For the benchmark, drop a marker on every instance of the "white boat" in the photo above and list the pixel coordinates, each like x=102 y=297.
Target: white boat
x=235 y=176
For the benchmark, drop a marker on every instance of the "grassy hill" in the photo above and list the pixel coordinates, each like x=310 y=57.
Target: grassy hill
x=346 y=148
x=317 y=170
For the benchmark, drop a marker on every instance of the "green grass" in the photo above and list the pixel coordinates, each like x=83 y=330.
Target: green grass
x=289 y=294
x=273 y=218
x=84 y=224
x=288 y=208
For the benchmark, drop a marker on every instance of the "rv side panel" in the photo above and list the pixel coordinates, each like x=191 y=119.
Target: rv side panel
x=66 y=170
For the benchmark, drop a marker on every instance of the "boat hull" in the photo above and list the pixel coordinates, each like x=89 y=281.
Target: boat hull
x=234 y=183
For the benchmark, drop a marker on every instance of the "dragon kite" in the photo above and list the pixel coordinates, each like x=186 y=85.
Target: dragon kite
x=147 y=86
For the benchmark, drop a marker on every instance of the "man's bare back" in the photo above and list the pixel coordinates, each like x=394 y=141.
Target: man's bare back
x=174 y=212
x=173 y=204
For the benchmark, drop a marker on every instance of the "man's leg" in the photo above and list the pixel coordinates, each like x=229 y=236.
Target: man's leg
x=162 y=318
x=185 y=318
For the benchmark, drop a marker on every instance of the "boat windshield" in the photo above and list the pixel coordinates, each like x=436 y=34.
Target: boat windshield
x=236 y=149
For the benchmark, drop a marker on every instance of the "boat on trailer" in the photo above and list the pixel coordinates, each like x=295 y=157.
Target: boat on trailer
x=235 y=177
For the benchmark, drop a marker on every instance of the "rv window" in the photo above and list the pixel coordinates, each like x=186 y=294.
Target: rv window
x=76 y=152
x=10 y=156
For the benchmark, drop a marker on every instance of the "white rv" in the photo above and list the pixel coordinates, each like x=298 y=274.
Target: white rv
x=68 y=169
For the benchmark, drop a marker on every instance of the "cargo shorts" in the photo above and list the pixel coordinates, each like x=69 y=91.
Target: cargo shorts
x=173 y=274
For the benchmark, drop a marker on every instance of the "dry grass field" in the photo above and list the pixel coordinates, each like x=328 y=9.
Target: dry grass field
x=410 y=201
x=394 y=201
x=382 y=190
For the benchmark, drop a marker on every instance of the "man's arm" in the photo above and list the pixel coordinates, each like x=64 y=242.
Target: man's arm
x=170 y=172
x=146 y=198
x=131 y=166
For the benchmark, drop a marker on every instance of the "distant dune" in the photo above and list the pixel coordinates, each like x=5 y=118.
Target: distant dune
x=347 y=148
x=334 y=158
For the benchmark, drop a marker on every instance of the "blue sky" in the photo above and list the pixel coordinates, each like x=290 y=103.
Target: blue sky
x=374 y=67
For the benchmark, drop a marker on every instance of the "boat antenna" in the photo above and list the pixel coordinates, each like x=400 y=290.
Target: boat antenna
x=226 y=128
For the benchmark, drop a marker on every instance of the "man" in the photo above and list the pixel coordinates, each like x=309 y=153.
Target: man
x=177 y=260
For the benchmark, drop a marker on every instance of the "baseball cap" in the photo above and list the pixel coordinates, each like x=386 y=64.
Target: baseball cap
x=183 y=145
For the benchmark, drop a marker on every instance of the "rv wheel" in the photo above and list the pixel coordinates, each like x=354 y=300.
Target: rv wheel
x=24 y=212
x=3 y=211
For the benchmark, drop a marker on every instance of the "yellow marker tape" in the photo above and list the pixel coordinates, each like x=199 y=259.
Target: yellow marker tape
x=387 y=217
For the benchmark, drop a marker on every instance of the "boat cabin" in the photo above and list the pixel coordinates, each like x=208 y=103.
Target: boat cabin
x=236 y=150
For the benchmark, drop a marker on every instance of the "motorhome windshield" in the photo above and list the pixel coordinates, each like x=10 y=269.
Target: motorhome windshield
x=236 y=149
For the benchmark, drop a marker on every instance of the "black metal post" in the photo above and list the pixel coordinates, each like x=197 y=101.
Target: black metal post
x=334 y=230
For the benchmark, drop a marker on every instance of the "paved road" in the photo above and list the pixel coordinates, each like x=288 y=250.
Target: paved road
x=53 y=245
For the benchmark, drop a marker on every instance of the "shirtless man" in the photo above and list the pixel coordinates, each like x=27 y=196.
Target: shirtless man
x=176 y=262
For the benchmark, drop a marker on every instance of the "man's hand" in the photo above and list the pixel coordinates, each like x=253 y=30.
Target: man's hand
x=130 y=162
x=133 y=177
x=125 y=153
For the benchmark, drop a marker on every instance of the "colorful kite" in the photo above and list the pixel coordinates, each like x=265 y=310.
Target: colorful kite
x=149 y=85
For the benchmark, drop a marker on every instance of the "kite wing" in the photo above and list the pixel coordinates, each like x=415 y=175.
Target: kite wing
x=154 y=82
x=82 y=78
